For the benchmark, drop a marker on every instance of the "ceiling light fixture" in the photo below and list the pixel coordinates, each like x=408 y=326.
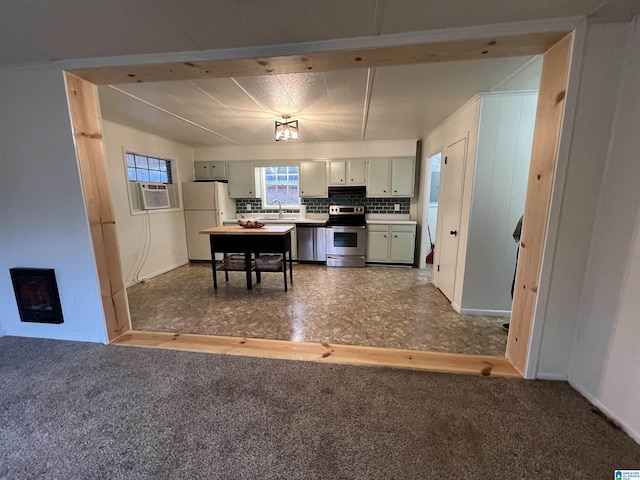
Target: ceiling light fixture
x=287 y=130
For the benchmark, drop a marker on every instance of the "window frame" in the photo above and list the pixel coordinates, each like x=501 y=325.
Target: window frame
x=135 y=205
x=263 y=188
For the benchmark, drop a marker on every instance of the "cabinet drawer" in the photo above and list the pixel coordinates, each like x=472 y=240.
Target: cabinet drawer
x=376 y=227
x=403 y=228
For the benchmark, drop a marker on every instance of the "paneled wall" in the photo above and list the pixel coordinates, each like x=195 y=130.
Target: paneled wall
x=500 y=185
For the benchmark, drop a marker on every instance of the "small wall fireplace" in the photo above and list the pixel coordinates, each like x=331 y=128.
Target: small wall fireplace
x=37 y=295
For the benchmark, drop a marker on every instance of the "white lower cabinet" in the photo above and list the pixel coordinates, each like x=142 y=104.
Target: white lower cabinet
x=390 y=243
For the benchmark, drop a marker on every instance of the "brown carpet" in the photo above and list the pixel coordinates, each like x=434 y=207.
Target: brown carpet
x=83 y=411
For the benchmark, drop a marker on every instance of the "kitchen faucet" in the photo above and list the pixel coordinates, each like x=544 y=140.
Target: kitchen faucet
x=279 y=207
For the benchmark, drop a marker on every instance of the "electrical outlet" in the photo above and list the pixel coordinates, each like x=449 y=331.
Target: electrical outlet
x=248 y=207
x=396 y=207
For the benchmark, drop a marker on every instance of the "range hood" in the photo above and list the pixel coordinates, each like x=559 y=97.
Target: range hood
x=347 y=190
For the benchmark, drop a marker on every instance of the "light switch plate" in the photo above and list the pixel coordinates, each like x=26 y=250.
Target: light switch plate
x=396 y=207
x=248 y=207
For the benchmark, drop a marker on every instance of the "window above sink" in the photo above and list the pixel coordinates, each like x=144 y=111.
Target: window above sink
x=280 y=184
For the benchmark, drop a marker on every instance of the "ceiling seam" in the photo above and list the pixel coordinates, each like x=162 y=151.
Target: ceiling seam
x=180 y=27
x=235 y=14
x=179 y=100
x=333 y=113
x=251 y=96
x=377 y=18
x=216 y=100
x=371 y=73
x=149 y=104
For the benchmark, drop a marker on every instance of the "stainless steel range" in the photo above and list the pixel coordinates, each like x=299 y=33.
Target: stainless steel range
x=346 y=243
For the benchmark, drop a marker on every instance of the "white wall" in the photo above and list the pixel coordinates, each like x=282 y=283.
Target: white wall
x=501 y=172
x=605 y=360
x=167 y=235
x=596 y=103
x=43 y=220
x=299 y=151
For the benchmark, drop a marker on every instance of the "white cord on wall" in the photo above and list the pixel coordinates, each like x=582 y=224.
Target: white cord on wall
x=147 y=247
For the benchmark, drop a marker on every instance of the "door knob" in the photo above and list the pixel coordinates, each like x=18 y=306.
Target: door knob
x=453 y=232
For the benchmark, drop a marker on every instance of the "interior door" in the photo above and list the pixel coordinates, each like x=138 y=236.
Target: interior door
x=450 y=207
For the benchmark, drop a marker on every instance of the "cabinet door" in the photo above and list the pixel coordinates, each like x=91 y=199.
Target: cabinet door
x=313 y=179
x=402 y=246
x=378 y=246
x=378 y=181
x=402 y=176
x=218 y=170
x=241 y=180
x=357 y=171
x=337 y=172
x=202 y=170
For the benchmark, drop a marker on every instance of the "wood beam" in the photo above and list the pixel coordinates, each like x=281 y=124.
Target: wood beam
x=507 y=46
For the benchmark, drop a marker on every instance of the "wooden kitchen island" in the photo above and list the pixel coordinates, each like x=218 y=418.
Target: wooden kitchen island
x=269 y=239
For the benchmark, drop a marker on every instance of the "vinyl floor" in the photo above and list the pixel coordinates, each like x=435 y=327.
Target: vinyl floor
x=392 y=307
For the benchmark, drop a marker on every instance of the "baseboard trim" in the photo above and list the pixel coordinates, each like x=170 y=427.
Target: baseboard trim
x=322 y=353
x=486 y=313
x=159 y=272
x=455 y=306
x=598 y=404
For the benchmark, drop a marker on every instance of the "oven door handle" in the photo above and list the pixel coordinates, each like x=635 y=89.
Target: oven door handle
x=350 y=226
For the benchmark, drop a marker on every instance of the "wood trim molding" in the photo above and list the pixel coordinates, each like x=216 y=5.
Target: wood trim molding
x=549 y=115
x=409 y=54
x=84 y=110
x=322 y=352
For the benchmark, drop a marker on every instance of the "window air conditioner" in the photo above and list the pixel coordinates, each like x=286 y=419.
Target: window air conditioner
x=154 y=196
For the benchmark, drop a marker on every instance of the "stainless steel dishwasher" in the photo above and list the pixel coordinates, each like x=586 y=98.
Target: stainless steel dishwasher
x=311 y=242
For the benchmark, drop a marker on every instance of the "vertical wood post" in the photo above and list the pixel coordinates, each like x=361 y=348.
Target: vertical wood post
x=553 y=84
x=84 y=110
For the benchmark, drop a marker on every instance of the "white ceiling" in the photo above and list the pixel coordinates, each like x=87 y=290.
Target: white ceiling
x=405 y=102
x=37 y=31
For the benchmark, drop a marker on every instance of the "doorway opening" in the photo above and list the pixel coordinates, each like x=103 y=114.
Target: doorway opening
x=83 y=101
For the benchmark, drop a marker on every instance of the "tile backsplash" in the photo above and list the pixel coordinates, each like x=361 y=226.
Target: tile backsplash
x=321 y=205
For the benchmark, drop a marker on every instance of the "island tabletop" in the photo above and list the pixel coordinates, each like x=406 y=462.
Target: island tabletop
x=238 y=230
x=252 y=242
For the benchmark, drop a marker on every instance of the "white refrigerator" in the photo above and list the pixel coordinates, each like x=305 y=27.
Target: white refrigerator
x=206 y=204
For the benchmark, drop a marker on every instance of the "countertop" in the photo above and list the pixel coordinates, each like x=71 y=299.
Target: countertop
x=319 y=218
x=237 y=229
x=391 y=222
x=287 y=220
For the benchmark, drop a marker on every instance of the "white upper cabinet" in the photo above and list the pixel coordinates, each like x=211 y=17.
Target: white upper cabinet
x=348 y=172
x=391 y=177
x=356 y=171
x=402 y=176
x=210 y=170
x=337 y=170
x=378 y=177
x=313 y=179
x=241 y=180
